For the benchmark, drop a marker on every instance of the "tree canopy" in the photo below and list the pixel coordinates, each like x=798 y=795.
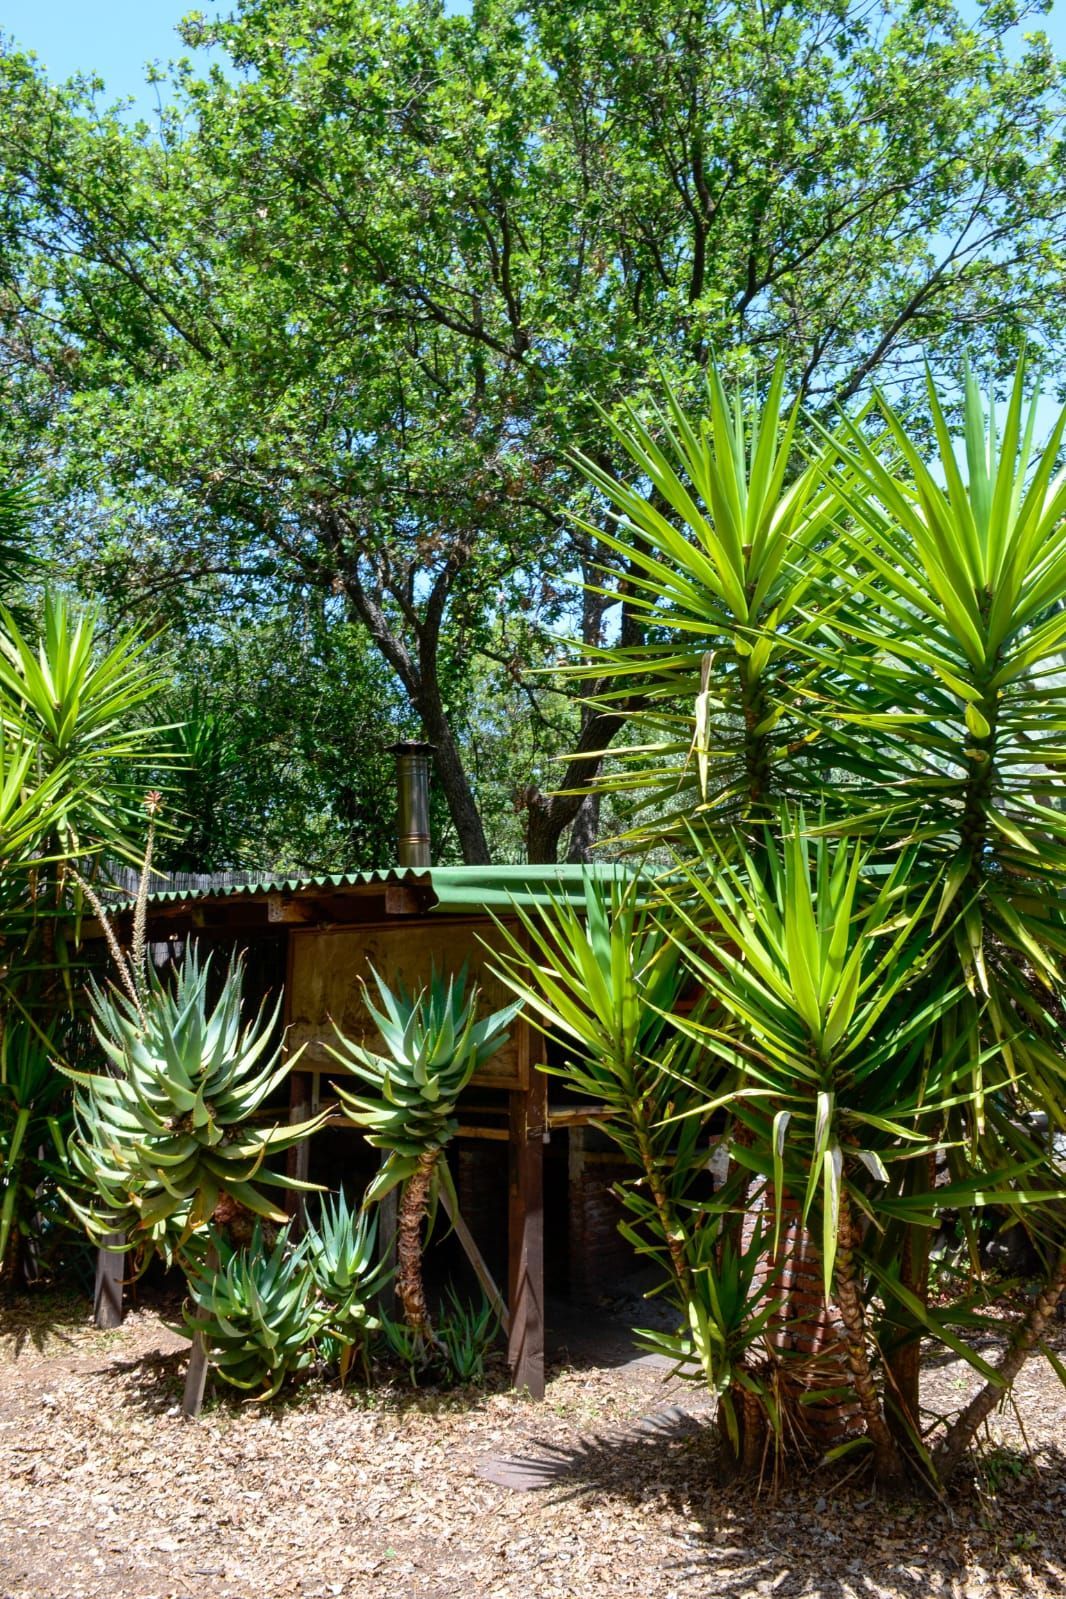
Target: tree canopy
x=335 y=324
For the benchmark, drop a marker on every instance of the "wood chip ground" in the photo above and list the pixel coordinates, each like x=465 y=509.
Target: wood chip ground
x=608 y=1488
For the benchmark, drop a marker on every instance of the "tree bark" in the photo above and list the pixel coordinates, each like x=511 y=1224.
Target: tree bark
x=413 y=1205
x=585 y=830
x=962 y=1432
x=419 y=678
x=549 y=815
x=462 y=806
x=887 y=1459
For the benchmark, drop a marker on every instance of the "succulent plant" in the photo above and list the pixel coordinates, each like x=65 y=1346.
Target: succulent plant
x=434 y=1045
x=258 y=1312
x=168 y=1132
x=341 y=1256
x=467 y=1332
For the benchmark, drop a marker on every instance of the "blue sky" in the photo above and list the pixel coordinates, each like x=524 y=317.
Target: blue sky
x=117 y=37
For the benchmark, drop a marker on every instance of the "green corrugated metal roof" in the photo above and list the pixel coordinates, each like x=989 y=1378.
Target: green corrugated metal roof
x=454 y=888
x=496 y=887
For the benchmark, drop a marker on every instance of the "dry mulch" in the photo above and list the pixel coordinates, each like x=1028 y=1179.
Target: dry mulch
x=105 y=1490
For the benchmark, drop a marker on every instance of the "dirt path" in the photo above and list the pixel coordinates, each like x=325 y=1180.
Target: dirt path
x=105 y=1491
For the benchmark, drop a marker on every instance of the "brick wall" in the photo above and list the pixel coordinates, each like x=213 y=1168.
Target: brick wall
x=598 y=1255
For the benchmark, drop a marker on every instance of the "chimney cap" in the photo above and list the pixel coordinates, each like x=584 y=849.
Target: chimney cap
x=411 y=746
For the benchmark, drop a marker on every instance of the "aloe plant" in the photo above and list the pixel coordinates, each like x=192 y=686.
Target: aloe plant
x=341 y=1257
x=255 y=1309
x=467 y=1333
x=434 y=1043
x=168 y=1131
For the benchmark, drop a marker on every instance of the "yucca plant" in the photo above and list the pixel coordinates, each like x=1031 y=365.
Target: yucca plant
x=341 y=1253
x=879 y=1021
x=76 y=702
x=169 y=1129
x=69 y=743
x=960 y=575
x=34 y=1127
x=718 y=576
x=601 y=976
x=434 y=1043
x=256 y=1309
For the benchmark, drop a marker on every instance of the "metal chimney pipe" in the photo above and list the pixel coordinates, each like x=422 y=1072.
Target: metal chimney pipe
x=412 y=802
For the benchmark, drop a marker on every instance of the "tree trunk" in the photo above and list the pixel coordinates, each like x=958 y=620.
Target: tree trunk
x=904 y=1364
x=584 y=832
x=963 y=1430
x=414 y=1203
x=199 y=1358
x=849 y=1302
x=462 y=806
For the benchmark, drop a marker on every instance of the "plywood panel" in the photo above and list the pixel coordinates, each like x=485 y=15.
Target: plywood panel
x=327 y=965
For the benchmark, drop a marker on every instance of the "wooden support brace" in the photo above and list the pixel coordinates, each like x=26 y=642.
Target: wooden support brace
x=477 y=1260
x=526 y=1228
x=195 y=1378
x=196 y=1375
x=298 y=1160
x=110 y=1274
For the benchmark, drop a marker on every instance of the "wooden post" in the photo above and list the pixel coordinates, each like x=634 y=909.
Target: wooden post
x=388 y=1225
x=526 y=1225
x=298 y=1159
x=110 y=1272
x=196 y=1375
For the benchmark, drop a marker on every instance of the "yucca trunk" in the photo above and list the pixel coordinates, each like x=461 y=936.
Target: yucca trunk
x=414 y=1203
x=963 y=1430
x=887 y=1460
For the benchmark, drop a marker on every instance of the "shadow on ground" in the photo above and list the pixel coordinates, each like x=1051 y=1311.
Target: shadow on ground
x=37 y=1320
x=830 y=1535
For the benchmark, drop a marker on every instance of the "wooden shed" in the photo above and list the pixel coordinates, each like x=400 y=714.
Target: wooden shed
x=322 y=935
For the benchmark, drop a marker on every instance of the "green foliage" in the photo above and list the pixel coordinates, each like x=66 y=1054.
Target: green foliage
x=169 y=1128
x=379 y=409
x=467 y=1333
x=721 y=589
x=75 y=703
x=282 y=763
x=414 y=1352
x=256 y=1309
x=878 y=1025
x=34 y=1126
x=73 y=750
x=434 y=1044
x=340 y=1253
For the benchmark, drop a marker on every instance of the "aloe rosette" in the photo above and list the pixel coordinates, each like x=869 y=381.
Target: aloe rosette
x=257 y=1312
x=169 y=1130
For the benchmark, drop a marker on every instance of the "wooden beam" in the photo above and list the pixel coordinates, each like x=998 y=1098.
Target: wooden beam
x=110 y=1275
x=401 y=900
x=298 y=1158
x=576 y=1115
x=283 y=908
x=477 y=1260
x=526 y=1225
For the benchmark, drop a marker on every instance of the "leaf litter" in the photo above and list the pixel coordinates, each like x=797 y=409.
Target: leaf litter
x=610 y=1487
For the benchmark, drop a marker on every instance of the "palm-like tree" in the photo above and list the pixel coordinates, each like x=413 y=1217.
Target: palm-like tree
x=882 y=641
